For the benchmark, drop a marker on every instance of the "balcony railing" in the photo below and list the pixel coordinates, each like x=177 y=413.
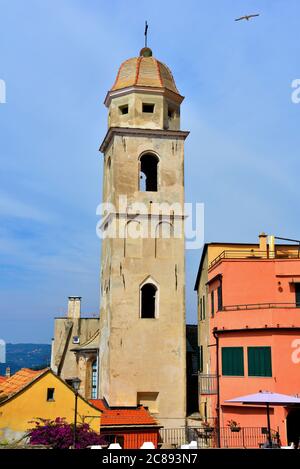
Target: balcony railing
x=207 y=383
x=245 y=437
x=252 y=254
x=250 y=306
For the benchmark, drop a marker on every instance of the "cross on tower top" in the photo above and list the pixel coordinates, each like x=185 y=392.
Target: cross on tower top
x=146 y=33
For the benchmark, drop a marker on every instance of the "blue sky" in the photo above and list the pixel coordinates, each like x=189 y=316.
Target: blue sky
x=59 y=58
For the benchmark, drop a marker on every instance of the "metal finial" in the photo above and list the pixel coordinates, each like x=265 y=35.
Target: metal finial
x=146 y=33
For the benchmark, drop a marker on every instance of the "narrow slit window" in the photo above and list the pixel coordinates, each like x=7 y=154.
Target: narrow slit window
x=297 y=294
x=148 y=108
x=220 y=298
x=200 y=355
x=148 y=301
x=50 y=394
x=212 y=303
x=200 y=308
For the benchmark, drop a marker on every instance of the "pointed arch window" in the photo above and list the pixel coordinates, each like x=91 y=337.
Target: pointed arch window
x=149 y=301
x=148 y=173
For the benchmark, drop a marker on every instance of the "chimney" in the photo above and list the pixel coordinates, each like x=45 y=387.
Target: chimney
x=74 y=303
x=7 y=372
x=263 y=239
x=271 y=247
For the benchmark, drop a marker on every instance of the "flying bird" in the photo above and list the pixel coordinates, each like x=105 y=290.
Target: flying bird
x=246 y=17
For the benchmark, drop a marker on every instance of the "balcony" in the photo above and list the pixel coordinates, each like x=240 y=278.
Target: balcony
x=291 y=253
x=223 y=437
x=207 y=383
x=258 y=315
x=251 y=306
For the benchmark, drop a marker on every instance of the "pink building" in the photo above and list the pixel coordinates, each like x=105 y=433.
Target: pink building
x=249 y=332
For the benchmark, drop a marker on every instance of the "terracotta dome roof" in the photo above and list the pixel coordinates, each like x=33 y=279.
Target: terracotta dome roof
x=145 y=71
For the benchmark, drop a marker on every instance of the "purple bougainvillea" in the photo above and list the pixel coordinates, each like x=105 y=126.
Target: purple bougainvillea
x=58 y=434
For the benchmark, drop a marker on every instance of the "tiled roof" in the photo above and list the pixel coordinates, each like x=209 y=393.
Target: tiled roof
x=18 y=381
x=123 y=416
x=2 y=379
x=144 y=71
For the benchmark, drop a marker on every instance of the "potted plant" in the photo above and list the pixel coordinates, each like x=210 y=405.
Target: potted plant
x=207 y=427
x=234 y=426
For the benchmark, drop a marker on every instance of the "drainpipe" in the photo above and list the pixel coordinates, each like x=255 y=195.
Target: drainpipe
x=215 y=334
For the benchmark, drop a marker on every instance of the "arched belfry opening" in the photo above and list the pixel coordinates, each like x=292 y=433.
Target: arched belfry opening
x=149 y=301
x=148 y=172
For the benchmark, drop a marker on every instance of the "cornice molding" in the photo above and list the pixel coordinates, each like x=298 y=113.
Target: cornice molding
x=145 y=90
x=133 y=131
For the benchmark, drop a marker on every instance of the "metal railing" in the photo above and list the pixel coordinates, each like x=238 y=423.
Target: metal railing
x=244 y=437
x=250 y=306
x=292 y=253
x=207 y=383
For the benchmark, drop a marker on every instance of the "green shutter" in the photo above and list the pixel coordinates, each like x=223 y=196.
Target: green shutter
x=297 y=292
x=259 y=361
x=203 y=307
x=220 y=300
x=201 y=358
x=232 y=361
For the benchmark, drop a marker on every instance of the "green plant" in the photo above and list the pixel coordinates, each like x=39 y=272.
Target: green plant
x=58 y=434
x=233 y=425
x=207 y=426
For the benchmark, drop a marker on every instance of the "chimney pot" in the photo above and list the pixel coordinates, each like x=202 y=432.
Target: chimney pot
x=74 y=304
x=7 y=372
x=263 y=239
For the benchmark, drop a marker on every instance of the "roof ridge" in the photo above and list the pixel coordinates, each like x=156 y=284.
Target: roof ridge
x=119 y=71
x=138 y=65
x=158 y=69
x=124 y=416
x=15 y=384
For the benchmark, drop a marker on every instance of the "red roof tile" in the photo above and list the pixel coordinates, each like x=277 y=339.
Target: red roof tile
x=121 y=416
x=18 y=381
x=2 y=379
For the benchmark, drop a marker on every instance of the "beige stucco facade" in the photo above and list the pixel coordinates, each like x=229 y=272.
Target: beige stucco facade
x=143 y=360
x=75 y=346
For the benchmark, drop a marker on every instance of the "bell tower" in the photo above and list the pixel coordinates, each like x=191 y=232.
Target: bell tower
x=142 y=349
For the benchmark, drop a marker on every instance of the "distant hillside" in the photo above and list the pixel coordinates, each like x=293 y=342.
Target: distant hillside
x=26 y=356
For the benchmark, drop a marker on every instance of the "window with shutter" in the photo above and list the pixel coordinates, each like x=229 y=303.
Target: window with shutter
x=259 y=361
x=297 y=291
x=201 y=358
x=220 y=300
x=232 y=361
